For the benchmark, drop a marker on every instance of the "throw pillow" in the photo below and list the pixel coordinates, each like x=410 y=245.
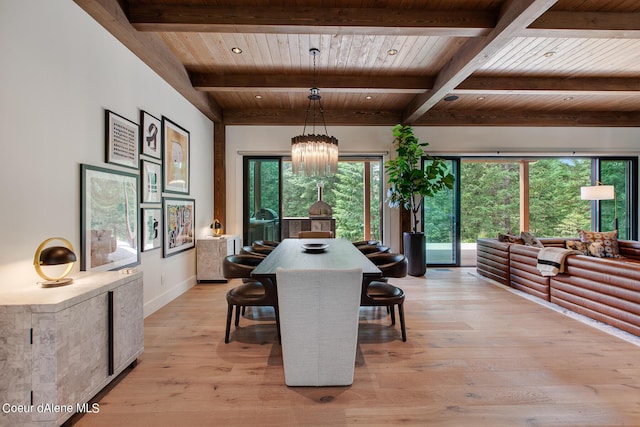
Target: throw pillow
x=596 y=249
x=530 y=239
x=578 y=246
x=609 y=240
x=510 y=238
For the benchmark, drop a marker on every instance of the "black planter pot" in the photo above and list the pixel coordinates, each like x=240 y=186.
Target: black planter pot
x=415 y=251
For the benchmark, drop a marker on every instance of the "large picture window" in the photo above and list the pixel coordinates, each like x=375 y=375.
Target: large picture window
x=274 y=193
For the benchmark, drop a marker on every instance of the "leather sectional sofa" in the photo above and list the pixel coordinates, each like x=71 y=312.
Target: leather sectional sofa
x=604 y=289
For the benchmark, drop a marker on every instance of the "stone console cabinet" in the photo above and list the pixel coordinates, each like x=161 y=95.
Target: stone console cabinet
x=60 y=346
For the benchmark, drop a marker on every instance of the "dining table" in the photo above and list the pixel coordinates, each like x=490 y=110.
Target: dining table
x=319 y=297
x=291 y=254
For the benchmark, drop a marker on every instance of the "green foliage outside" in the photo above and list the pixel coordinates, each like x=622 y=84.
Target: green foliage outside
x=344 y=192
x=490 y=198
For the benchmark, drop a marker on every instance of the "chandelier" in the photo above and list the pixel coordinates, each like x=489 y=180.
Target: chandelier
x=316 y=155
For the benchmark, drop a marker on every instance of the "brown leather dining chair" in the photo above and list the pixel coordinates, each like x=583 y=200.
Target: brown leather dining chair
x=381 y=293
x=315 y=234
x=252 y=293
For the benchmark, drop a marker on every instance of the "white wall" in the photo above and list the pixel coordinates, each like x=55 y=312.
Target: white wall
x=461 y=141
x=60 y=71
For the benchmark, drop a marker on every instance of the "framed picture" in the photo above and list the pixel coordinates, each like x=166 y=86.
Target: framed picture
x=151 y=228
x=179 y=222
x=175 y=141
x=109 y=235
x=121 y=140
x=151 y=177
x=150 y=143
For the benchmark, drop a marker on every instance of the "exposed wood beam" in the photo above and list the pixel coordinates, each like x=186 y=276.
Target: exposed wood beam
x=310 y=20
x=585 y=25
x=516 y=16
x=209 y=82
x=152 y=51
x=297 y=117
x=549 y=86
x=277 y=117
x=300 y=83
x=529 y=118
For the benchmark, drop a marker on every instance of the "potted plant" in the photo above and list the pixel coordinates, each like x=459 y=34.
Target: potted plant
x=409 y=185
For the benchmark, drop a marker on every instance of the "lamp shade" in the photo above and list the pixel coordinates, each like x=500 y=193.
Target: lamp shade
x=597 y=192
x=54 y=255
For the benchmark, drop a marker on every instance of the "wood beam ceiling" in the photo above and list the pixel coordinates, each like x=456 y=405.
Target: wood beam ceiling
x=517 y=15
x=490 y=31
x=310 y=20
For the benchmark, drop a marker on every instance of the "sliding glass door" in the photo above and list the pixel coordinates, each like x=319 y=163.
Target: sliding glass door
x=262 y=196
x=441 y=219
x=616 y=213
x=273 y=194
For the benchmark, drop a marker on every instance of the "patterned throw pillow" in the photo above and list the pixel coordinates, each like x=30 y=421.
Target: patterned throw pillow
x=578 y=246
x=510 y=238
x=596 y=249
x=530 y=239
x=609 y=240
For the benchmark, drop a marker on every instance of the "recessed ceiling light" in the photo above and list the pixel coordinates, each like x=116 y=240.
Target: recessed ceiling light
x=392 y=52
x=549 y=54
x=368 y=97
x=258 y=97
x=480 y=98
x=451 y=98
x=236 y=50
x=568 y=98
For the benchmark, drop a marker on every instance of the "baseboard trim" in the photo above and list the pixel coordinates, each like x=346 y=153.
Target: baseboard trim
x=165 y=298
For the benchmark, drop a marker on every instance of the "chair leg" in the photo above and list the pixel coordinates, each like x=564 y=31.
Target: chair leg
x=402 y=327
x=392 y=310
x=238 y=309
x=229 y=314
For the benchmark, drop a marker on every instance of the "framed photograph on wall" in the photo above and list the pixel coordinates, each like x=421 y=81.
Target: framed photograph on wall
x=121 y=140
x=151 y=178
x=109 y=234
x=179 y=222
x=150 y=142
x=151 y=229
x=175 y=141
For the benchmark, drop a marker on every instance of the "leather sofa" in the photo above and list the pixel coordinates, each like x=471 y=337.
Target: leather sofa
x=604 y=289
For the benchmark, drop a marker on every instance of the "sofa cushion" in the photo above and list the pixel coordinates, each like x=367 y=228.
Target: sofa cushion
x=595 y=249
x=575 y=245
x=609 y=240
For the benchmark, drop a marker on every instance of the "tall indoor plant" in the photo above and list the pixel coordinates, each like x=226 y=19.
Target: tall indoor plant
x=409 y=185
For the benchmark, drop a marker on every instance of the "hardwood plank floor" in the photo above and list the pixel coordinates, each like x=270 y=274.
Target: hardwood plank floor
x=477 y=355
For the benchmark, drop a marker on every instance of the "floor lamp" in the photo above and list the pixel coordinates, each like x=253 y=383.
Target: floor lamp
x=601 y=192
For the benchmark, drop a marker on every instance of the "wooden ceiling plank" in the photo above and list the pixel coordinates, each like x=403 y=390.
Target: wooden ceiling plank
x=515 y=17
x=586 y=25
x=310 y=20
x=152 y=51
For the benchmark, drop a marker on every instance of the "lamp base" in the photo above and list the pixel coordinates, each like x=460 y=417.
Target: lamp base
x=56 y=283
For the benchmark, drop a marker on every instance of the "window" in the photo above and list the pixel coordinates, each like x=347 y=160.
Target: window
x=354 y=194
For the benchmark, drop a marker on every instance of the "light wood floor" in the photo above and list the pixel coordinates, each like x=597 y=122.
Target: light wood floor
x=476 y=355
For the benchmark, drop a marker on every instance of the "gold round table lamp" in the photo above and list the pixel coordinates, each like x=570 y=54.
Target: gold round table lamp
x=54 y=255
